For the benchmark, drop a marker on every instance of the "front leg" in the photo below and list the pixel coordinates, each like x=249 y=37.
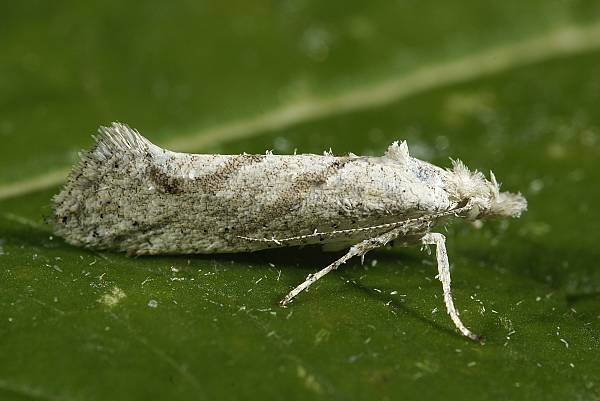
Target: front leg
x=439 y=240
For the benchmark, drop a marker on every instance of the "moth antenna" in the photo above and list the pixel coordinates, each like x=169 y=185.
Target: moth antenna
x=423 y=219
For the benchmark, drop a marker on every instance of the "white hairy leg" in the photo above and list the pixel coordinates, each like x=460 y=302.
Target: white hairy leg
x=439 y=240
x=359 y=249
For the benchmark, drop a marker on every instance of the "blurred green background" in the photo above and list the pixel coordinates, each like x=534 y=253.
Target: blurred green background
x=511 y=86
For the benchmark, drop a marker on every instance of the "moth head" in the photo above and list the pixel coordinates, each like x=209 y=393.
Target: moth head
x=484 y=195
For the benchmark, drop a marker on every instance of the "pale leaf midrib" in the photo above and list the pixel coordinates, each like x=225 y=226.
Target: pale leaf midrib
x=561 y=42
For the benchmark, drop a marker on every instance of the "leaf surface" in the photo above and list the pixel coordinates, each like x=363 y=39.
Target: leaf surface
x=500 y=88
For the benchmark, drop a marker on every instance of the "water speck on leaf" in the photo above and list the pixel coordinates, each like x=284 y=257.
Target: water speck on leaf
x=112 y=298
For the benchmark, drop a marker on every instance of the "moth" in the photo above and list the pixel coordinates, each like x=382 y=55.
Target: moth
x=127 y=194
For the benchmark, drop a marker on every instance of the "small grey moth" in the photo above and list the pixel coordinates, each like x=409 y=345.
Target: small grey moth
x=127 y=194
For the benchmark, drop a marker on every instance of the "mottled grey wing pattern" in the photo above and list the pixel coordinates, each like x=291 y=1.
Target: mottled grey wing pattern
x=131 y=195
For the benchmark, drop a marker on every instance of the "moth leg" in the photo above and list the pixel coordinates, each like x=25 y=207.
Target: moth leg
x=359 y=249
x=439 y=240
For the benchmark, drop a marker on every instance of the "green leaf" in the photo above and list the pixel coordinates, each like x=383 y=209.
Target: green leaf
x=508 y=87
